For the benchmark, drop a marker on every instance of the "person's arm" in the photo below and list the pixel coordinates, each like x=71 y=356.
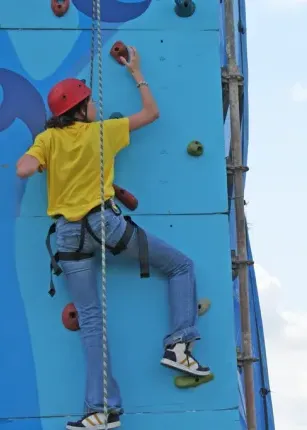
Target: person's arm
x=27 y=165
x=33 y=160
x=149 y=113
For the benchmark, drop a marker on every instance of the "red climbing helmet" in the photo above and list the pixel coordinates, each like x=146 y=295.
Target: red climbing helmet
x=67 y=94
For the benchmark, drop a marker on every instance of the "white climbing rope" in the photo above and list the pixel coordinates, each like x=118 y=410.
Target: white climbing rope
x=96 y=28
x=94 y=20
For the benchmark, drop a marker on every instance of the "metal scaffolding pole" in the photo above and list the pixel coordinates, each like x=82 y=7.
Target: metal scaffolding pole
x=236 y=152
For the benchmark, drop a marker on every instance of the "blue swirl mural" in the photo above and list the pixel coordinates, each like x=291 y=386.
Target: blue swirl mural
x=115 y=10
x=18 y=93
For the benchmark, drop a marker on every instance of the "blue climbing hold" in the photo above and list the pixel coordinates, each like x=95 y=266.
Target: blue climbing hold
x=116 y=115
x=185 y=8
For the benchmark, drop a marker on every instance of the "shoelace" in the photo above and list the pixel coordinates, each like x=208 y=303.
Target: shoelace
x=189 y=355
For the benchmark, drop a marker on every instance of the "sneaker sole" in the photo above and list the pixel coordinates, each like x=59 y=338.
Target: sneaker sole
x=184 y=369
x=97 y=427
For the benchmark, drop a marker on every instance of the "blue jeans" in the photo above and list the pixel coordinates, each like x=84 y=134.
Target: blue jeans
x=82 y=286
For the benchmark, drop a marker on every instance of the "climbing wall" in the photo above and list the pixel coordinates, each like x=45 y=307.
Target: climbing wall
x=182 y=199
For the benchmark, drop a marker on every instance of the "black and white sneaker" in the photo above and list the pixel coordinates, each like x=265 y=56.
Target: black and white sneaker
x=95 y=421
x=179 y=357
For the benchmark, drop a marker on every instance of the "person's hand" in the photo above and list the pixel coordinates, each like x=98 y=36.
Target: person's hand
x=133 y=65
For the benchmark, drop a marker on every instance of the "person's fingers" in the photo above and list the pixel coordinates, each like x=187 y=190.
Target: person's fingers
x=132 y=51
x=124 y=61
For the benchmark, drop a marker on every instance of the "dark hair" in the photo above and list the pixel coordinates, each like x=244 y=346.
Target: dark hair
x=68 y=118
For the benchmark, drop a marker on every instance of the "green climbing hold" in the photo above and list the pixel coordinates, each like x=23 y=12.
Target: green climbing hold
x=203 y=306
x=195 y=148
x=189 y=381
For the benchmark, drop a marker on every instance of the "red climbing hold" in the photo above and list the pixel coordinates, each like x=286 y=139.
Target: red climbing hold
x=60 y=7
x=126 y=198
x=119 y=49
x=70 y=317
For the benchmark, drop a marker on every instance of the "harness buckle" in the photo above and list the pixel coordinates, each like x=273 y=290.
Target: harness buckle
x=114 y=207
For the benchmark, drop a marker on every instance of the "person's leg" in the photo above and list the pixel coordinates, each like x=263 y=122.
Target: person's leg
x=179 y=270
x=81 y=283
x=82 y=286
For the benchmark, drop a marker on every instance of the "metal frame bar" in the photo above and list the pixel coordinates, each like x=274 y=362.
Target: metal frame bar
x=234 y=81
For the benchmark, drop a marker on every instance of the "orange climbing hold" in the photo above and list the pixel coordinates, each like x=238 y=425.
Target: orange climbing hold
x=126 y=198
x=70 y=317
x=60 y=7
x=119 y=49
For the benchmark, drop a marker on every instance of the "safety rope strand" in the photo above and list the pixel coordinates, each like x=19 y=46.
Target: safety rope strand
x=103 y=260
x=94 y=22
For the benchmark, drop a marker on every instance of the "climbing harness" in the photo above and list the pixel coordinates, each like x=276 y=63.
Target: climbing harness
x=121 y=245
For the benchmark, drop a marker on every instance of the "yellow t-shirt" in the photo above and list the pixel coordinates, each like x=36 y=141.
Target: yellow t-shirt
x=72 y=158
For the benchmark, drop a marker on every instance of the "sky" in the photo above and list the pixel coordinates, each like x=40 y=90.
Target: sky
x=276 y=194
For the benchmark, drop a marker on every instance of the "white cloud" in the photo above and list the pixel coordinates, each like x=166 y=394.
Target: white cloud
x=295 y=329
x=265 y=280
x=299 y=92
x=280 y=4
x=286 y=3
x=286 y=343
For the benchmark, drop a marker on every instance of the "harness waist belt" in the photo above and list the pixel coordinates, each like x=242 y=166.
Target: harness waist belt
x=107 y=205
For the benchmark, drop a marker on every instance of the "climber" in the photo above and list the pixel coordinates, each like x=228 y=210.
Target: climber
x=69 y=150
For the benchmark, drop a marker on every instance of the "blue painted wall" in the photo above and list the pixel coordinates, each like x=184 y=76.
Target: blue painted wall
x=183 y=200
